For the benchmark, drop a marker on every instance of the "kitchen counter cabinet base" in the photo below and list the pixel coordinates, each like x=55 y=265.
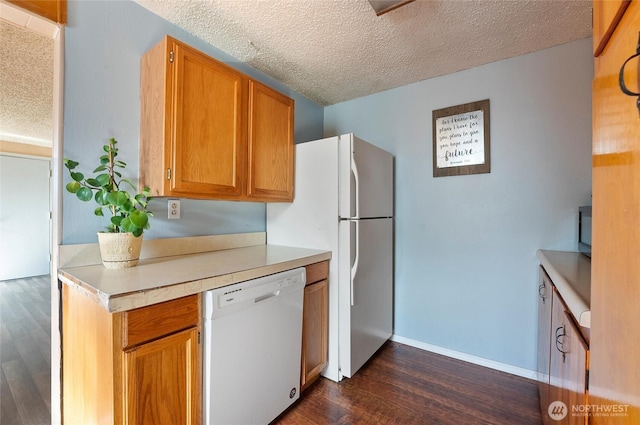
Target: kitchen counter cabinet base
x=315 y=323
x=109 y=378
x=545 y=292
x=563 y=348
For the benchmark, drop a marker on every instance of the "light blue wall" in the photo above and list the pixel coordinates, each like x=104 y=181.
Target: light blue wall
x=466 y=268
x=104 y=41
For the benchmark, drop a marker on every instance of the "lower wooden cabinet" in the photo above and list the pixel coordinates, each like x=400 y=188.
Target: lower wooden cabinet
x=563 y=360
x=137 y=367
x=545 y=293
x=158 y=380
x=568 y=367
x=315 y=323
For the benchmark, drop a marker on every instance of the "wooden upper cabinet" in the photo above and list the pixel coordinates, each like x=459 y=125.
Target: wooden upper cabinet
x=271 y=145
x=54 y=10
x=209 y=132
x=606 y=16
x=193 y=124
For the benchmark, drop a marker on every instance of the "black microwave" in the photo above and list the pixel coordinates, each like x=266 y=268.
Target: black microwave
x=584 y=230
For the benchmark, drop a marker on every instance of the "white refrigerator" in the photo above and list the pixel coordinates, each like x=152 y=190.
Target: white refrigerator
x=344 y=203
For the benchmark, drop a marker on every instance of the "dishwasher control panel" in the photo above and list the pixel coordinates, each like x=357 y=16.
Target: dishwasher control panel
x=230 y=298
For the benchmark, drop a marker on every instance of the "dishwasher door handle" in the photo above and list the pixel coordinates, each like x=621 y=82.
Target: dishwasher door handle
x=266 y=296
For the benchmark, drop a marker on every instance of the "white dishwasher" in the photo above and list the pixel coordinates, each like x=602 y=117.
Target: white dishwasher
x=252 y=349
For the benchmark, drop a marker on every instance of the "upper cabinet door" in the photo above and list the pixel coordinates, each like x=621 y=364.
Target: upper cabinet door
x=209 y=122
x=193 y=121
x=271 y=145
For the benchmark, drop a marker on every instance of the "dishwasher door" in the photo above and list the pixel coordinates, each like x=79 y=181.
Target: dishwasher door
x=252 y=349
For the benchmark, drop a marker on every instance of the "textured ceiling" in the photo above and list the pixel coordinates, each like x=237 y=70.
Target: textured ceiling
x=336 y=50
x=26 y=86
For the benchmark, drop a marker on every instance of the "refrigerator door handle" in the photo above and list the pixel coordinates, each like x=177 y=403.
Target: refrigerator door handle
x=356 y=178
x=354 y=268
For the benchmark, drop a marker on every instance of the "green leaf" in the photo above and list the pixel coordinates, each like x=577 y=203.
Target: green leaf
x=101 y=197
x=116 y=220
x=98 y=212
x=77 y=176
x=100 y=168
x=103 y=179
x=84 y=194
x=73 y=186
x=70 y=164
x=127 y=206
x=105 y=148
x=139 y=218
x=120 y=164
x=93 y=182
x=118 y=198
x=104 y=160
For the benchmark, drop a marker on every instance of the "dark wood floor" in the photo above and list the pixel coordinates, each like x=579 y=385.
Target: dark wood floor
x=25 y=351
x=400 y=385
x=406 y=385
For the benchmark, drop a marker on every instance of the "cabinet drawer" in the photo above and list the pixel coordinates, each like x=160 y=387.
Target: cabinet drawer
x=152 y=322
x=317 y=272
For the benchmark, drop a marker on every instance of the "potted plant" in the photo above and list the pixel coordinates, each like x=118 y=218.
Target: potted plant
x=120 y=244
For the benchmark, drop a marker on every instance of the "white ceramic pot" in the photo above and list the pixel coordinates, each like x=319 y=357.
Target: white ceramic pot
x=119 y=250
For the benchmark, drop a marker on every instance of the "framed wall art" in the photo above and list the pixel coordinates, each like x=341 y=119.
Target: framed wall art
x=461 y=142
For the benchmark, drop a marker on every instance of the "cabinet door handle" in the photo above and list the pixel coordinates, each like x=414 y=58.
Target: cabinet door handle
x=541 y=291
x=623 y=86
x=560 y=344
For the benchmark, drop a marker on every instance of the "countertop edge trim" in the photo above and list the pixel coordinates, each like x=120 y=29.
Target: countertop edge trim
x=133 y=300
x=578 y=308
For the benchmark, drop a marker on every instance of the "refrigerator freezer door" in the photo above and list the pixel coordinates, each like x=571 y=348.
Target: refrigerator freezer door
x=366 y=179
x=366 y=301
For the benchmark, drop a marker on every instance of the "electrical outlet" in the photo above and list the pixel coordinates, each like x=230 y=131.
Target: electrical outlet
x=174 y=209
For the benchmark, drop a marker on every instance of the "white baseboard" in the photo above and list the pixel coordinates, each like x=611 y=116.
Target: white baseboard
x=481 y=361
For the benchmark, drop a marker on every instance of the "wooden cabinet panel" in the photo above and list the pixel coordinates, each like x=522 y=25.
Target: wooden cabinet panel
x=88 y=393
x=568 y=366
x=209 y=117
x=54 y=10
x=148 y=323
x=160 y=378
x=207 y=131
x=159 y=381
x=201 y=123
x=317 y=272
x=545 y=291
x=606 y=16
x=271 y=145
x=615 y=269
x=314 y=331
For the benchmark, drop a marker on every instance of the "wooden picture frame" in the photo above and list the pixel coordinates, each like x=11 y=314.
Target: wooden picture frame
x=461 y=142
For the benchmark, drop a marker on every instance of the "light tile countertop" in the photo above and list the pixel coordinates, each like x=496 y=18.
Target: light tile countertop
x=571 y=274
x=156 y=280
